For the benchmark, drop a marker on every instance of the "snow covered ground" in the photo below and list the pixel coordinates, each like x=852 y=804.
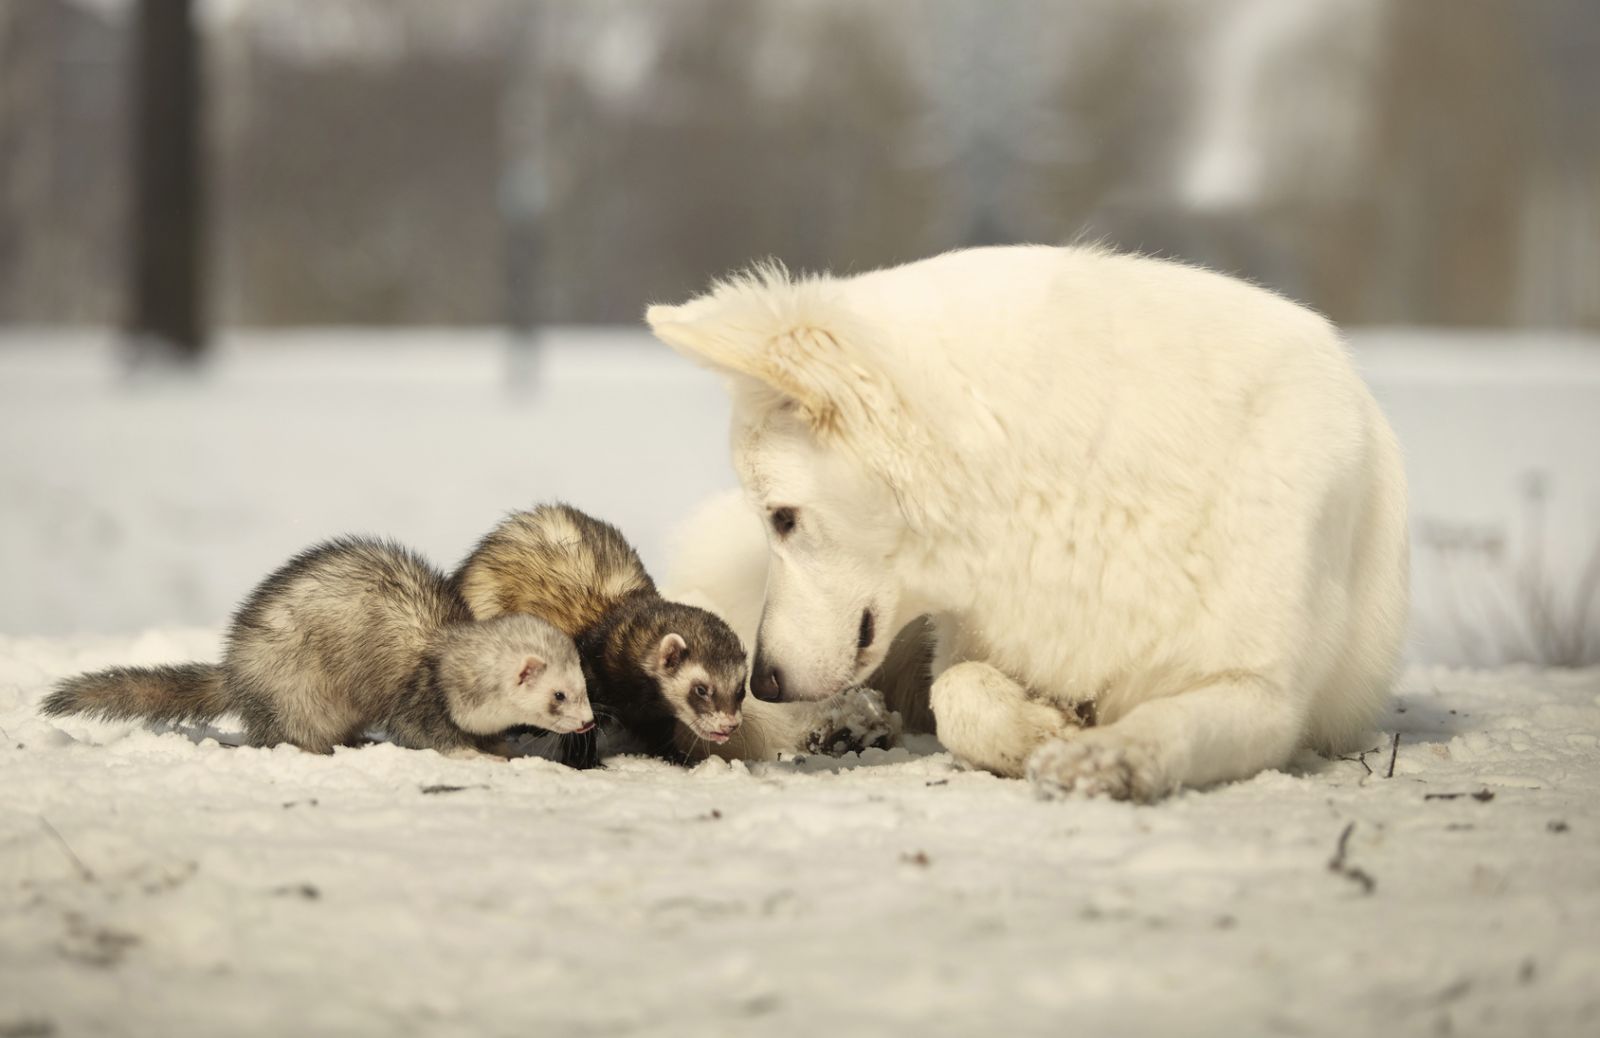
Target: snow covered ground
x=165 y=884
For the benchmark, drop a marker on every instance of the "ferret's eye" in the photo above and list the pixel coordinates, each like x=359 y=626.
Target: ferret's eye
x=561 y=697
x=783 y=520
x=701 y=691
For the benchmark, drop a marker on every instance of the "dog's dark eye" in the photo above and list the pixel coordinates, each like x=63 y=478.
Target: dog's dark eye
x=561 y=697
x=865 y=633
x=701 y=691
x=783 y=520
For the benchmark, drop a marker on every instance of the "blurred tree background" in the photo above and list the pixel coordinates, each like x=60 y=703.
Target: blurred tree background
x=481 y=161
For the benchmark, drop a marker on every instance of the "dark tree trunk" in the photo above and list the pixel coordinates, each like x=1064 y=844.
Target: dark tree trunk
x=166 y=316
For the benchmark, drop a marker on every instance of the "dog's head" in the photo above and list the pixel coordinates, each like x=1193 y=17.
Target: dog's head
x=823 y=445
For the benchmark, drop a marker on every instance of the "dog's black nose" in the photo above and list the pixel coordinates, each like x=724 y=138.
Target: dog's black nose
x=766 y=682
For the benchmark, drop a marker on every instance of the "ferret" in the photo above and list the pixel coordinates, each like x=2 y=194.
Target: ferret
x=354 y=634
x=651 y=664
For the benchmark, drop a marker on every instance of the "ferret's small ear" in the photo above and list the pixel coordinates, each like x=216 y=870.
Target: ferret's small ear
x=671 y=653
x=532 y=667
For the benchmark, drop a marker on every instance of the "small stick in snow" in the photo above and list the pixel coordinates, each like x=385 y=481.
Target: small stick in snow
x=1361 y=758
x=1394 y=751
x=1482 y=796
x=1339 y=849
x=83 y=870
x=1337 y=864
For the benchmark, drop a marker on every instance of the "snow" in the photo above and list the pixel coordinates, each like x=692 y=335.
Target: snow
x=125 y=506
x=1486 y=420
x=163 y=883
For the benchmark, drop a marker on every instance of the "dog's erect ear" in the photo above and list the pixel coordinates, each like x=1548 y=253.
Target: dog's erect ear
x=789 y=335
x=731 y=327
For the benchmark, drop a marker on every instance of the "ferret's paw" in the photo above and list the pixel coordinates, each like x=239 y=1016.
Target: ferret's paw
x=1097 y=764
x=853 y=720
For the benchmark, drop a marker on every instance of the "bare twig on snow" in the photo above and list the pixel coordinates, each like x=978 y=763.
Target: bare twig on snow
x=83 y=870
x=1337 y=864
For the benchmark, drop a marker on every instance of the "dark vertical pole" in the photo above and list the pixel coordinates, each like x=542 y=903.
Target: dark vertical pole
x=522 y=198
x=166 y=316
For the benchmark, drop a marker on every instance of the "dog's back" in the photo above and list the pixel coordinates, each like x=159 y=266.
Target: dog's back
x=1184 y=466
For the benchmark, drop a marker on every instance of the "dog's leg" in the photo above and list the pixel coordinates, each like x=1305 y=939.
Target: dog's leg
x=988 y=721
x=767 y=730
x=853 y=720
x=1231 y=726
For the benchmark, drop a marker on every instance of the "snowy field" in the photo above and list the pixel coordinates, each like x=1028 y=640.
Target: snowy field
x=168 y=884
x=163 y=884
x=125 y=506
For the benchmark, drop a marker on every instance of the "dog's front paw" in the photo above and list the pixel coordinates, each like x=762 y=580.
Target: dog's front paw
x=1097 y=764
x=853 y=720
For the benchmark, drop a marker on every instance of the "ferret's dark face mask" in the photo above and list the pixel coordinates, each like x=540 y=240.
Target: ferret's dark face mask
x=707 y=698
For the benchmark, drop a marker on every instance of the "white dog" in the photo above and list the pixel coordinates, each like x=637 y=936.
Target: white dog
x=1156 y=518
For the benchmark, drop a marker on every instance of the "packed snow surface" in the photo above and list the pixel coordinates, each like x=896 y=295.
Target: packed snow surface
x=166 y=883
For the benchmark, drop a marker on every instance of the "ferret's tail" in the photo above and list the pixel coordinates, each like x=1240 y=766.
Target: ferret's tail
x=176 y=694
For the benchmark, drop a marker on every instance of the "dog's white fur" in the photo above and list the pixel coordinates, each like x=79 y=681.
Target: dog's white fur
x=1122 y=487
